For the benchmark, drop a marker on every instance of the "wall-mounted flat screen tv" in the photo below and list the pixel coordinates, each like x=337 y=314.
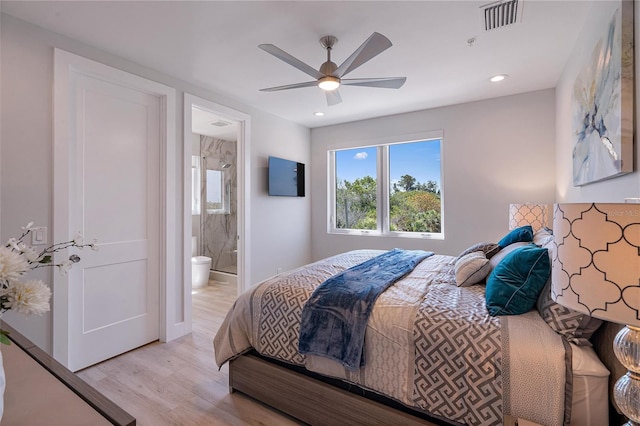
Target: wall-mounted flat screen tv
x=286 y=177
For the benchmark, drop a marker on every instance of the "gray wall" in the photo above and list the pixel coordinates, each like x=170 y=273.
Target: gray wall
x=494 y=152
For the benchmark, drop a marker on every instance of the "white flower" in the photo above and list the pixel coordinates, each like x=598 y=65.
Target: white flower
x=16 y=258
x=78 y=239
x=28 y=297
x=29 y=252
x=13 y=243
x=12 y=264
x=65 y=266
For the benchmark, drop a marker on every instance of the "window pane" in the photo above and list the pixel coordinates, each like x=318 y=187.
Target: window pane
x=414 y=187
x=214 y=190
x=356 y=188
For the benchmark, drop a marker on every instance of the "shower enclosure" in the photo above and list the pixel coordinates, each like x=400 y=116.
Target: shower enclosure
x=218 y=203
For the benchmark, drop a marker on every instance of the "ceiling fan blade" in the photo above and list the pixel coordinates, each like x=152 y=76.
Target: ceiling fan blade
x=372 y=47
x=333 y=97
x=297 y=63
x=290 y=86
x=386 y=82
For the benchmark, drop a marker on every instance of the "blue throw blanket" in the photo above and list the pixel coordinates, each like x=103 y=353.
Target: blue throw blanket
x=334 y=319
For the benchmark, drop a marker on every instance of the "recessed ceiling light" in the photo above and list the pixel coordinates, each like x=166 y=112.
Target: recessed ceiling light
x=498 y=77
x=318 y=113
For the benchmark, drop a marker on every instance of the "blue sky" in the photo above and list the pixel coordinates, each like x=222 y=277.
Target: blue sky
x=420 y=160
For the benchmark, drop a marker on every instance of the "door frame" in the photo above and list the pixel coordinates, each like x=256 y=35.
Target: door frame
x=64 y=64
x=243 y=196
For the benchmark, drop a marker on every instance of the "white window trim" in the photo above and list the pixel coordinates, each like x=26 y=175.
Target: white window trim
x=382 y=168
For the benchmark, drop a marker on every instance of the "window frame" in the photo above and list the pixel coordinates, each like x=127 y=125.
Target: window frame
x=383 y=186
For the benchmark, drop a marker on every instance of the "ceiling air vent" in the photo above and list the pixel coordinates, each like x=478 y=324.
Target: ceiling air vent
x=500 y=14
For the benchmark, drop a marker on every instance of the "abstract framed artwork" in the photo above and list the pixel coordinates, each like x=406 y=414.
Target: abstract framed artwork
x=603 y=103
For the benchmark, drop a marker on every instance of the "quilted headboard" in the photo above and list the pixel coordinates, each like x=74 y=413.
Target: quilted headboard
x=603 y=344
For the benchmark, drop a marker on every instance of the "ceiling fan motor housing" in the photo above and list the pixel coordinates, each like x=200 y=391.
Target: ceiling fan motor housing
x=328 y=68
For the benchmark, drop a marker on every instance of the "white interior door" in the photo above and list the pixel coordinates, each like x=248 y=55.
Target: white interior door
x=112 y=195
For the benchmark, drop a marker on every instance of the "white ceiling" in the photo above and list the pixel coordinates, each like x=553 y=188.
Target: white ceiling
x=209 y=124
x=213 y=44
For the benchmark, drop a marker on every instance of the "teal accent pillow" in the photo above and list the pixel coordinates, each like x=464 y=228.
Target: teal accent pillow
x=518 y=235
x=514 y=285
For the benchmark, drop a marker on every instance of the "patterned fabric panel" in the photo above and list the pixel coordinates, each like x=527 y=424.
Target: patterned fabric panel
x=458 y=356
x=279 y=304
x=576 y=327
x=389 y=341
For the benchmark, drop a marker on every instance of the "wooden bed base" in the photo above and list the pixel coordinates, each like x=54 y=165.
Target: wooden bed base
x=310 y=400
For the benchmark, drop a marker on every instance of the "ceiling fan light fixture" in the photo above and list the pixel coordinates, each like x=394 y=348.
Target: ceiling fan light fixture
x=330 y=76
x=329 y=83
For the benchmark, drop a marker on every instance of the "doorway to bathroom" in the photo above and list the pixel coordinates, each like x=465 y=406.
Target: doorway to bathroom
x=214 y=198
x=215 y=201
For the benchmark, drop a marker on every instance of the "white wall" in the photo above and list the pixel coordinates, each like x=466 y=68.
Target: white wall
x=495 y=152
x=287 y=242
x=615 y=189
x=280 y=233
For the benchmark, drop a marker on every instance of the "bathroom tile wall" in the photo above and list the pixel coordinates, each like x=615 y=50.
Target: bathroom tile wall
x=218 y=230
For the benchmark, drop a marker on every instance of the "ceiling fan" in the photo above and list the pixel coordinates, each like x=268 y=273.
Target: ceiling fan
x=329 y=76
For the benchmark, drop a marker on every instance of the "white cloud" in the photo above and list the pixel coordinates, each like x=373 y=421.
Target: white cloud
x=360 y=156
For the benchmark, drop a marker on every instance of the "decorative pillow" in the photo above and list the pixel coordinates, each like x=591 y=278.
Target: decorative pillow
x=523 y=233
x=514 y=285
x=489 y=250
x=495 y=260
x=471 y=269
x=574 y=326
x=542 y=237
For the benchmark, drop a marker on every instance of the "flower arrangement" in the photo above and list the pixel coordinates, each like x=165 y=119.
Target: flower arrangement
x=16 y=259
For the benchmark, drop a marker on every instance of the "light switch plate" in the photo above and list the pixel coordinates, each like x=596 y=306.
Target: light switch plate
x=39 y=235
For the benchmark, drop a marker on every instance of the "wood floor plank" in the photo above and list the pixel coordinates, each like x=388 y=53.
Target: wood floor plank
x=178 y=383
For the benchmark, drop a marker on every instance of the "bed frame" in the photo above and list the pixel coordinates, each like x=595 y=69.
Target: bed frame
x=326 y=403
x=309 y=399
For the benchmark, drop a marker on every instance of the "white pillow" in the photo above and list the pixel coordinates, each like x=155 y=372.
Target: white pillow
x=542 y=237
x=505 y=251
x=471 y=269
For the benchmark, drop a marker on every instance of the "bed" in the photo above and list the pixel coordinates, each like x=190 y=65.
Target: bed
x=433 y=353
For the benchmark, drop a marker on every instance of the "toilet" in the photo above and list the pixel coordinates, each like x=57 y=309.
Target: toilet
x=200 y=266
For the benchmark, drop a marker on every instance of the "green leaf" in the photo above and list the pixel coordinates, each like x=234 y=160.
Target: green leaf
x=46 y=259
x=4 y=337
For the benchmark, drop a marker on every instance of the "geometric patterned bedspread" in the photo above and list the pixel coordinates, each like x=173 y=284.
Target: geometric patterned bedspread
x=429 y=344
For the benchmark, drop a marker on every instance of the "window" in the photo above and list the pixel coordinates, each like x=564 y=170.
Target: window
x=356 y=191
x=217 y=192
x=387 y=189
x=214 y=190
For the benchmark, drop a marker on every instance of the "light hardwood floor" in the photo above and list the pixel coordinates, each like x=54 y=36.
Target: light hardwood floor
x=178 y=383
